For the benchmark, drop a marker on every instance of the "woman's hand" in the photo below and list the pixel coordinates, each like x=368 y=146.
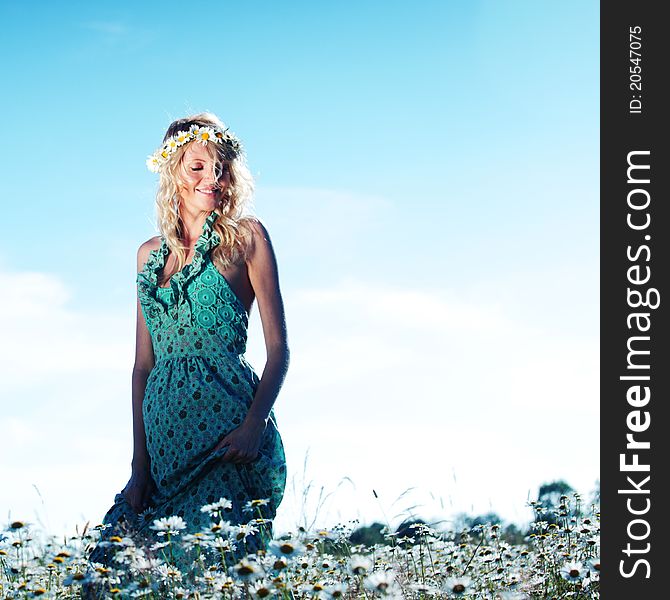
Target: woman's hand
x=243 y=442
x=139 y=489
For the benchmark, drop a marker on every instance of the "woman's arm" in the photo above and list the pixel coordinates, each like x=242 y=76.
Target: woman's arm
x=144 y=362
x=244 y=441
x=264 y=277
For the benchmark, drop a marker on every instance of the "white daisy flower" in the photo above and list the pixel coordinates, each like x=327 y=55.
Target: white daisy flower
x=148 y=564
x=251 y=504
x=359 y=564
x=190 y=540
x=573 y=571
x=128 y=555
x=244 y=530
x=246 y=569
x=286 y=548
x=279 y=563
x=380 y=581
x=181 y=137
x=336 y=590
x=159 y=545
x=326 y=534
x=152 y=163
x=262 y=589
x=223 y=583
x=171 y=144
x=223 y=528
x=221 y=544
x=204 y=134
x=214 y=508
x=456 y=586
x=169 y=573
x=314 y=588
x=172 y=525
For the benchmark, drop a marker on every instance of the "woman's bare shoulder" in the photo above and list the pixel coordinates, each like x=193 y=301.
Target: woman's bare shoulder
x=255 y=233
x=145 y=248
x=256 y=227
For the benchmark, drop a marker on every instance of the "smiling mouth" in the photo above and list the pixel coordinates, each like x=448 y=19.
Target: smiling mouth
x=209 y=192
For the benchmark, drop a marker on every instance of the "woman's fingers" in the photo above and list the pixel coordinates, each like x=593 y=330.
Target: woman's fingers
x=237 y=451
x=236 y=455
x=230 y=455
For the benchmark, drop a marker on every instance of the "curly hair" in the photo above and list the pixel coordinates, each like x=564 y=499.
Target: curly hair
x=235 y=214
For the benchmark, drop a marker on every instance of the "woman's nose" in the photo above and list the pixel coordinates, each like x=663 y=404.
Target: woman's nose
x=207 y=181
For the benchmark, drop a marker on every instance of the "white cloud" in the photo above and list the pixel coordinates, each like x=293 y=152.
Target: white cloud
x=44 y=337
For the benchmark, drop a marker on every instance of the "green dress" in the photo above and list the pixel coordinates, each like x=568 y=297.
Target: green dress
x=199 y=389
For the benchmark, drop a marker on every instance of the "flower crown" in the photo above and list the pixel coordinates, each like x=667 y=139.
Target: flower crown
x=202 y=134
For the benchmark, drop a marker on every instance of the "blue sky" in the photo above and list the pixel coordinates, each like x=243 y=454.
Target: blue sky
x=428 y=174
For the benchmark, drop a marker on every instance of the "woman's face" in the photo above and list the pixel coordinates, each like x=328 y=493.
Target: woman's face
x=201 y=191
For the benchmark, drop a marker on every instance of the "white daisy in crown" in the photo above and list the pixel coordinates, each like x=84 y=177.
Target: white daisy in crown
x=181 y=137
x=152 y=164
x=202 y=134
x=205 y=134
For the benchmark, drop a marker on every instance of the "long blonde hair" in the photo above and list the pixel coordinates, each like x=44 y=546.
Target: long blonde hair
x=235 y=210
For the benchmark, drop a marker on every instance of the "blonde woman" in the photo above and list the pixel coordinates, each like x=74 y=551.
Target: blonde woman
x=204 y=428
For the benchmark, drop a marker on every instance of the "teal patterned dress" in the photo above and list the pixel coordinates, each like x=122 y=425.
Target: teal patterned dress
x=199 y=389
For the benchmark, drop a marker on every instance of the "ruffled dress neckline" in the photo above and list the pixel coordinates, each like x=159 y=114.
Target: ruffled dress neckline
x=147 y=278
x=207 y=240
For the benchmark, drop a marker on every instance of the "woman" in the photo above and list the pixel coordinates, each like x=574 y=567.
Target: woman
x=203 y=423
